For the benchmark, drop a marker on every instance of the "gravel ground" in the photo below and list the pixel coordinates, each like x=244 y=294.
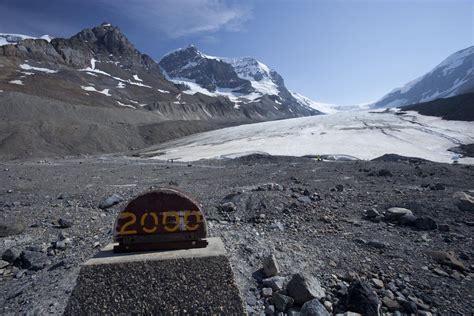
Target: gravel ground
x=309 y=214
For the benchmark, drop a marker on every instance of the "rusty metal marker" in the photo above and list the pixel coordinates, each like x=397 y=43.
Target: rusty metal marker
x=164 y=219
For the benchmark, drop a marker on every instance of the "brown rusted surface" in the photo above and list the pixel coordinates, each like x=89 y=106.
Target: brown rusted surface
x=161 y=219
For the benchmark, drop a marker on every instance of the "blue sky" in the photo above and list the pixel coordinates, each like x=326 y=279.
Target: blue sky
x=335 y=51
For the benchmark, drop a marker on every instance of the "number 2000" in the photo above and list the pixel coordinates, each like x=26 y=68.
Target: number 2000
x=172 y=221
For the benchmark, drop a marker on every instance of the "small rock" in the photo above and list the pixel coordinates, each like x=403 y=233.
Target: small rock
x=392 y=305
x=10 y=255
x=339 y=187
x=437 y=186
x=377 y=244
x=32 y=260
x=11 y=227
x=464 y=201
x=269 y=310
x=228 y=207
x=267 y=292
x=371 y=213
x=64 y=223
x=96 y=245
x=314 y=308
x=282 y=302
x=440 y=272
x=4 y=264
x=303 y=288
x=60 y=245
x=276 y=283
x=110 y=201
x=304 y=199
x=362 y=299
x=447 y=258
x=409 y=307
x=425 y=223
x=270 y=266
x=328 y=306
x=407 y=220
x=394 y=214
x=378 y=283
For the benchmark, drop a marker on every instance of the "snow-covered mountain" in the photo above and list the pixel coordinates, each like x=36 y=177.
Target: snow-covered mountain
x=6 y=39
x=454 y=76
x=242 y=80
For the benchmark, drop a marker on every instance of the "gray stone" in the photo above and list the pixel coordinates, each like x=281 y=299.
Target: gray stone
x=270 y=266
x=11 y=227
x=362 y=298
x=269 y=310
x=425 y=223
x=304 y=199
x=11 y=254
x=447 y=258
x=276 y=283
x=314 y=308
x=64 y=223
x=407 y=219
x=303 y=288
x=282 y=302
x=393 y=214
x=391 y=304
x=228 y=207
x=267 y=292
x=32 y=260
x=110 y=201
x=371 y=213
x=376 y=244
x=4 y=264
x=464 y=201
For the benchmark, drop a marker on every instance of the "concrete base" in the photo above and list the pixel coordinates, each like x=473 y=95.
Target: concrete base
x=192 y=281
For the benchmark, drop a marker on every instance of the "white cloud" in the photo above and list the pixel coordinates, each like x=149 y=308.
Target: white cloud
x=178 y=18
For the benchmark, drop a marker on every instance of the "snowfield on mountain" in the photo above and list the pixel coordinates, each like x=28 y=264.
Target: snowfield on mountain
x=363 y=134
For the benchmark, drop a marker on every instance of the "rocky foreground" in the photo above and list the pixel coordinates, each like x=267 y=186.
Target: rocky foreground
x=303 y=236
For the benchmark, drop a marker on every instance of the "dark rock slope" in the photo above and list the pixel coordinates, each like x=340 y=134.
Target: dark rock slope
x=70 y=83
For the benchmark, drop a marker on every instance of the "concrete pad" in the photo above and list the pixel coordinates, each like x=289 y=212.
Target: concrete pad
x=187 y=281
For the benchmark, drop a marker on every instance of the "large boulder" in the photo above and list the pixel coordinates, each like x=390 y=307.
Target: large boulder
x=303 y=288
x=464 y=201
x=361 y=298
x=314 y=308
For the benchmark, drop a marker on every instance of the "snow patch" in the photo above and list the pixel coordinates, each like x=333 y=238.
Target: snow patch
x=126 y=105
x=18 y=82
x=136 y=78
x=90 y=88
x=163 y=91
x=45 y=70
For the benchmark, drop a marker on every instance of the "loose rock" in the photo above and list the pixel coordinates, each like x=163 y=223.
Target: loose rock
x=447 y=258
x=464 y=201
x=110 y=201
x=303 y=288
x=394 y=214
x=276 y=283
x=11 y=227
x=425 y=223
x=270 y=266
x=314 y=308
x=362 y=299
x=282 y=302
